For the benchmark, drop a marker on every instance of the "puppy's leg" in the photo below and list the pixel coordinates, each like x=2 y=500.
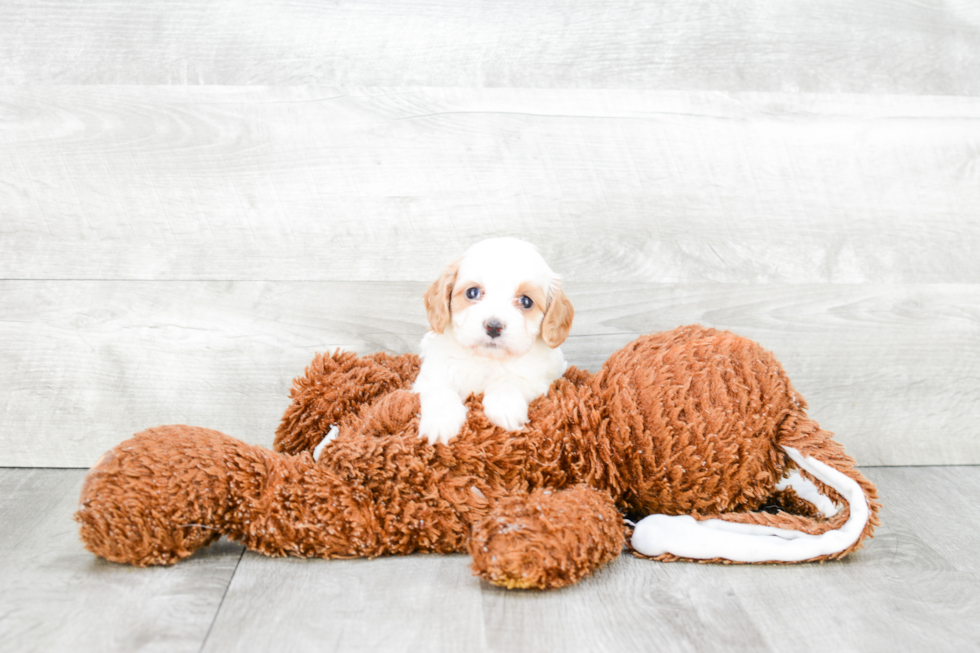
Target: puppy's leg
x=506 y=406
x=443 y=413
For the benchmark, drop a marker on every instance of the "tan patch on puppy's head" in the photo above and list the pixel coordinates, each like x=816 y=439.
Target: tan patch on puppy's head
x=557 y=318
x=459 y=301
x=438 y=298
x=538 y=298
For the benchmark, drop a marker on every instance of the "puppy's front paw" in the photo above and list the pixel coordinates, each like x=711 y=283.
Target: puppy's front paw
x=441 y=421
x=507 y=409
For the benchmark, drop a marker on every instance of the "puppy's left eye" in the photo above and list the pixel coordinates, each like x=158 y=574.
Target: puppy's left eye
x=473 y=293
x=525 y=302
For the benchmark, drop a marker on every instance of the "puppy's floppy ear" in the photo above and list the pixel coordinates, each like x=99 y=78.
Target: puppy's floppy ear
x=558 y=318
x=438 y=296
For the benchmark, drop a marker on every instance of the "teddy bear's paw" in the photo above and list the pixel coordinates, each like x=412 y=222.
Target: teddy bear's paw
x=125 y=512
x=547 y=539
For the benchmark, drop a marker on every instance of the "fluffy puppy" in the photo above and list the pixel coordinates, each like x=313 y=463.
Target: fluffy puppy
x=497 y=315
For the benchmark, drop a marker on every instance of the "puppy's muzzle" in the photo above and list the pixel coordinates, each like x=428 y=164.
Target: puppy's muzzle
x=493 y=327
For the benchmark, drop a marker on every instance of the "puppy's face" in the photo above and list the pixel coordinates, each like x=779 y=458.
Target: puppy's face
x=500 y=297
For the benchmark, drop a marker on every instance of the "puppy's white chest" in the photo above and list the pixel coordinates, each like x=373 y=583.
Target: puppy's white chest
x=476 y=375
x=531 y=374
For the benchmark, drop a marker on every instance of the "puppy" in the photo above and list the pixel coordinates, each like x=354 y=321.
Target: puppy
x=497 y=315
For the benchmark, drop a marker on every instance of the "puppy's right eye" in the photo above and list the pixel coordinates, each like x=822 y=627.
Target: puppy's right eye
x=473 y=293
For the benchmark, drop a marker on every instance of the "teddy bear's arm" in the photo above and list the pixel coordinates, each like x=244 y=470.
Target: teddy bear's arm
x=161 y=495
x=335 y=387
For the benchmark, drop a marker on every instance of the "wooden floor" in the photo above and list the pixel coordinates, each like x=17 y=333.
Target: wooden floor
x=915 y=587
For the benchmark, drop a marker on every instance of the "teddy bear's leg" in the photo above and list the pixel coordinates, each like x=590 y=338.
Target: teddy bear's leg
x=844 y=503
x=166 y=492
x=336 y=386
x=161 y=495
x=840 y=510
x=548 y=539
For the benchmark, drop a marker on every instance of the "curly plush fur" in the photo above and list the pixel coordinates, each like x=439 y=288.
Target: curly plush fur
x=688 y=422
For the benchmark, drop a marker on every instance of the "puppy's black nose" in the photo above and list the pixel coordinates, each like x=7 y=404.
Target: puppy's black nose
x=493 y=327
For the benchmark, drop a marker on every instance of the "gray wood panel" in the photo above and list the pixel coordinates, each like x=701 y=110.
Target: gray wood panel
x=940 y=508
x=894 y=370
x=832 y=46
x=388 y=184
x=58 y=597
x=412 y=603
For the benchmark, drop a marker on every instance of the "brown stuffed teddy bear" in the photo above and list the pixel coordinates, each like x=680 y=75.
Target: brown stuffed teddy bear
x=698 y=431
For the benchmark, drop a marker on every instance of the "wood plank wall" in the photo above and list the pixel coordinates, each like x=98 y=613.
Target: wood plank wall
x=197 y=196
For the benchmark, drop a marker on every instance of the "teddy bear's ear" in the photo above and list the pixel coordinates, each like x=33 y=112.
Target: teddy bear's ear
x=558 y=318
x=438 y=296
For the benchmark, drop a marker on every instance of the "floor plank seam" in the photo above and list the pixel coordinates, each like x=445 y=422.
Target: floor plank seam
x=217 y=612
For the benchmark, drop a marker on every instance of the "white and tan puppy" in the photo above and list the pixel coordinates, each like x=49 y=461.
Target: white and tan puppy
x=497 y=315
